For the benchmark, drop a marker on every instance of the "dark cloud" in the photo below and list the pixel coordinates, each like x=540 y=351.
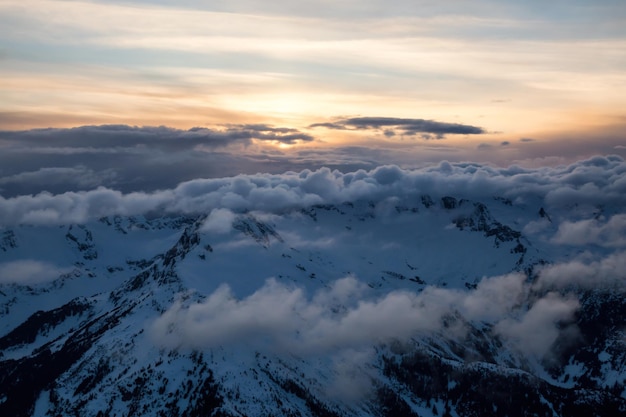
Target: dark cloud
x=112 y=136
x=410 y=127
x=132 y=158
x=505 y=143
x=56 y=177
x=527 y=140
x=336 y=126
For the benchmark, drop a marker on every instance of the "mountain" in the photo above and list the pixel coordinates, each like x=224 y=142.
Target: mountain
x=413 y=304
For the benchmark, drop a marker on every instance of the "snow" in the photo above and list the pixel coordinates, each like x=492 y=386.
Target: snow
x=42 y=405
x=57 y=334
x=604 y=356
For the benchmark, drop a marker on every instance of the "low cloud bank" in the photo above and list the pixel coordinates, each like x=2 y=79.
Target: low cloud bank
x=593 y=182
x=345 y=316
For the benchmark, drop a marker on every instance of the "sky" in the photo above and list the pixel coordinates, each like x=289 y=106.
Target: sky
x=143 y=95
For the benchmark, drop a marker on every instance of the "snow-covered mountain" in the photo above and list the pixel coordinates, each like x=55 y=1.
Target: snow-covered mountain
x=460 y=291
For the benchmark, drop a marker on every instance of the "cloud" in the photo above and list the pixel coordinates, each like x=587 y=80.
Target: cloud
x=409 y=127
x=347 y=317
x=353 y=379
x=593 y=182
x=54 y=178
x=219 y=221
x=494 y=297
x=535 y=332
x=610 y=233
x=123 y=136
x=29 y=272
x=145 y=158
x=606 y=273
x=283 y=318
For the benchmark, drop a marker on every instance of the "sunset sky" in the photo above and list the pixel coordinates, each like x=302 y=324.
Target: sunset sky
x=288 y=85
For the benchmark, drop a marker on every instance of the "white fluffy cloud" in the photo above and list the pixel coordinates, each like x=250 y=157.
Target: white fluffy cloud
x=610 y=233
x=220 y=220
x=495 y=297
x=597 y=181
x=344 y=317
x=606 y=273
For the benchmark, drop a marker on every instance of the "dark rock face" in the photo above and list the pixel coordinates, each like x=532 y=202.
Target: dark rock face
x=188 y=240
x=22 y=380
x=479 y=390
x=256 y=229
x=449 y=203
x=427 y=201
x=40 y=322
x=82 y=238
x=544 y=215
x=481 y=220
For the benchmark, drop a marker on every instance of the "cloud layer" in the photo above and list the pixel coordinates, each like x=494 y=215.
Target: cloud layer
x=599 y=181
x=147 y=159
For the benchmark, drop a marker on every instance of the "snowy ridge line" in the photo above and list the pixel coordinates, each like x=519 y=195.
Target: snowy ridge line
x=595 y=181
